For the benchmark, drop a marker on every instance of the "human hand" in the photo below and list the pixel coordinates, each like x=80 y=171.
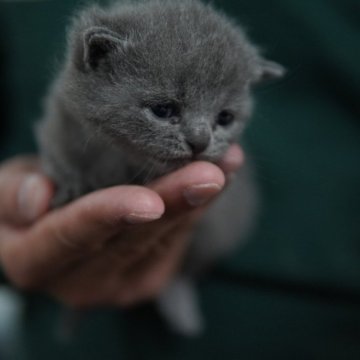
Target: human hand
x=116 y=246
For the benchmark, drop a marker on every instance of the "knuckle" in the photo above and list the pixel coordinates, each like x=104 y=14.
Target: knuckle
x=79 y=299
x=17 y=270
x=74 y=301
x=127 y=299
x=124 y=300
x=63 y=239
x=153 y=286
x=22 y=279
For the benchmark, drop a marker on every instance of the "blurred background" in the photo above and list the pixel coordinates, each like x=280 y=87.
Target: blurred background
x=293 y=292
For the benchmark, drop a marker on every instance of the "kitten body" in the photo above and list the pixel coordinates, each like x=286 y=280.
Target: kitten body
x=145 y=89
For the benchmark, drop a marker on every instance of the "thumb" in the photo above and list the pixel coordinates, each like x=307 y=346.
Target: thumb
x=24 y=192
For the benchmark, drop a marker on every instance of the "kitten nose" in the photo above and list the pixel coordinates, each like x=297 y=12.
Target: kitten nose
x=198 y=142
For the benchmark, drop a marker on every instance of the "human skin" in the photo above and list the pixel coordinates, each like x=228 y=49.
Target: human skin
x=117 y=246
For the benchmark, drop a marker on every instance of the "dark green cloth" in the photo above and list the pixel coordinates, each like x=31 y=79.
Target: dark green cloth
x=294 y=291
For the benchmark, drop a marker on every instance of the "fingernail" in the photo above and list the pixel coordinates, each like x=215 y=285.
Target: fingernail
x=198 y=195
x=141 y=218
x=32 y=196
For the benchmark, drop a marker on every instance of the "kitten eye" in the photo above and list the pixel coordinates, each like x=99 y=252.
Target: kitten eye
x=165 y=111
x=225 y=118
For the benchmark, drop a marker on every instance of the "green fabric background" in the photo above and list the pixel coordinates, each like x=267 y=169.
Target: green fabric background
x=293 y=292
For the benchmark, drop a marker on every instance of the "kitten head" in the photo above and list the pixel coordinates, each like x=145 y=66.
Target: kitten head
x=168 y=81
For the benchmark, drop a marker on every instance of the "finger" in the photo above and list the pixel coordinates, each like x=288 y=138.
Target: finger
x=190 y=187
x=24 y=193
x=146 y=279
x=73 y=231
x=120 y=280
x=233 y=159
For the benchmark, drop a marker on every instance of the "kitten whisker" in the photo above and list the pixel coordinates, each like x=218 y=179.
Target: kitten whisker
x=149 y=176
x=91 y=136
x=137 y=176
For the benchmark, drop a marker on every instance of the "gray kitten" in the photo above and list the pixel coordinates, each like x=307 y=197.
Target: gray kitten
x=145 y=89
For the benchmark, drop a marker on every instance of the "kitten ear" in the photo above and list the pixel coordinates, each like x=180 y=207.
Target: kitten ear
x=268 y=70
x=99 y=42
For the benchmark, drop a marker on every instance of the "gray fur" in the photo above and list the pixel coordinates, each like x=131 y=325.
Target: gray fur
x=99 y=129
